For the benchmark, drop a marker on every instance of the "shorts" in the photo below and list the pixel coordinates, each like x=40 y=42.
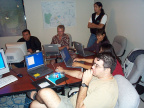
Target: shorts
x=65 y=102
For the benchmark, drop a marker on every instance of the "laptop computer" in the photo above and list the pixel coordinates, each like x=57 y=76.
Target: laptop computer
x=80 y=50
x=67 y=58
x=35 y=65
x=51 y=49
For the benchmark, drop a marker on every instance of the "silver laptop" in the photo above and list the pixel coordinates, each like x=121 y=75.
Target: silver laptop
x=67 y=58
x=80 y=50
x=35 y=65
x=51 y=49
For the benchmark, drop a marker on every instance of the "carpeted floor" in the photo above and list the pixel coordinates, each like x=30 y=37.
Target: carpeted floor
x=20 y=100
x=15 y=101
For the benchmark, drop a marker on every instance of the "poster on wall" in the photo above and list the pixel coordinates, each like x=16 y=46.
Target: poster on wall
x=12 y=18
x=58 y=13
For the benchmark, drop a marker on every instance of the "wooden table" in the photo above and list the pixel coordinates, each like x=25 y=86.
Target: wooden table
x=24 y=84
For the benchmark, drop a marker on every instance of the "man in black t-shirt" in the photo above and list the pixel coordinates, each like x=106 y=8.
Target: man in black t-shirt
x=32 y=42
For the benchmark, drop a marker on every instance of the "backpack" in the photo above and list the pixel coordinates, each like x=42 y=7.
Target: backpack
x=129 y=61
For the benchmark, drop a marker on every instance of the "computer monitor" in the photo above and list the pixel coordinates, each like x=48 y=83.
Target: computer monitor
x=3 y=63
x=15 y=52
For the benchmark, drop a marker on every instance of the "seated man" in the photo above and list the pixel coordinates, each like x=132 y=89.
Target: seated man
x=61 y=38
x=32 y=42
x=98 y=89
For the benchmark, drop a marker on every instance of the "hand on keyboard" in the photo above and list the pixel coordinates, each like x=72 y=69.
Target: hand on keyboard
x=76 y=64
x=7 y=80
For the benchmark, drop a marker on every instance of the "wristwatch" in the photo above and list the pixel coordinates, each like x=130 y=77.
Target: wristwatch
x=84 y=85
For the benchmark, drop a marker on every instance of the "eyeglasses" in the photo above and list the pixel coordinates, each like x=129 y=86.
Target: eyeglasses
x=97 y=66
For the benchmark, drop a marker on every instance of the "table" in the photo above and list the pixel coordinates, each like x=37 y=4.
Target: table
x=24 y=84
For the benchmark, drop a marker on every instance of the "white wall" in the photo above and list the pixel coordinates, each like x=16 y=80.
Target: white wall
x=125 y=17
x=79 y=32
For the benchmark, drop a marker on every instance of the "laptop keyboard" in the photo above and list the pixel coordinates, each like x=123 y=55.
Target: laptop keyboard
x=42 y=71
x=70 y=62
x=88 y=53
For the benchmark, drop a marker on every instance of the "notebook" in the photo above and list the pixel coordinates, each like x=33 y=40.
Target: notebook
x=35 y=65
x=80 y=50
x=51 y=49
x=67 y=58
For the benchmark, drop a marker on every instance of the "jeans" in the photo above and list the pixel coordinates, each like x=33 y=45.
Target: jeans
x=92 y=40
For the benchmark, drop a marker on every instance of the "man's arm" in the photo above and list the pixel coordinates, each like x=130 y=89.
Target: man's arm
x=98 y=26
x=73 y=73
x=38 y=44
x=92 y=25
x=87 y=76
x=84 y=59
x=60 y=48
x=77 y=64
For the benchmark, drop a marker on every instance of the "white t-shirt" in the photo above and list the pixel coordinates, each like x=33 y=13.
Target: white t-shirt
x=103 y=20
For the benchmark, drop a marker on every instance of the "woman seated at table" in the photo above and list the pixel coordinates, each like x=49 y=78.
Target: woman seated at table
x=101 y=39
x=103 y=48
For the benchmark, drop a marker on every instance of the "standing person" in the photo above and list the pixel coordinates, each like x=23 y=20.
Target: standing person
x=32 y=42
x=96 y=21
x=61 y=38
x=99 y=88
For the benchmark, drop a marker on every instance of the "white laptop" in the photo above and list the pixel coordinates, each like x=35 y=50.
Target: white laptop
x=51 y=49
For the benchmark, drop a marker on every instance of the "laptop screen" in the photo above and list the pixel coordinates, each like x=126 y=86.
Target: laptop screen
x=34 y=60
x=65 y=54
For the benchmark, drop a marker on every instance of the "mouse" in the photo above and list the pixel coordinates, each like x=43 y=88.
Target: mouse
x=20 y=75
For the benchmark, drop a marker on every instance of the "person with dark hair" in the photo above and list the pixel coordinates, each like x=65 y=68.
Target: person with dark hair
x=98 y=89
x=96 y=21
x=61 y=38
x=32 y=42
x=109 y=48
x=104 y=48
x=101 y=39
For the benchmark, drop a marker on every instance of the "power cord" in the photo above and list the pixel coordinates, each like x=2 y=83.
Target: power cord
x=14 y=71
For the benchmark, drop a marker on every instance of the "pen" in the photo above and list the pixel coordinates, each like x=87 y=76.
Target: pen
x=53 y=66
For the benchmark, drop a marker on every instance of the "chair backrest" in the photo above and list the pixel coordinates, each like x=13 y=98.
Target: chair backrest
x=70 y=40
x=119 y=44
x=137 y=69
x=128 y=96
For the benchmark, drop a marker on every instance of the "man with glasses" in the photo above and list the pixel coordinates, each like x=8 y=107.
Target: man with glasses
x=98 y=89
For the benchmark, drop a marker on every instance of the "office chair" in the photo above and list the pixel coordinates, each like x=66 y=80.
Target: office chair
x=128 y=96
x=70 y=40
x=137 y=70
x=119 y=44
x=134 y=70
